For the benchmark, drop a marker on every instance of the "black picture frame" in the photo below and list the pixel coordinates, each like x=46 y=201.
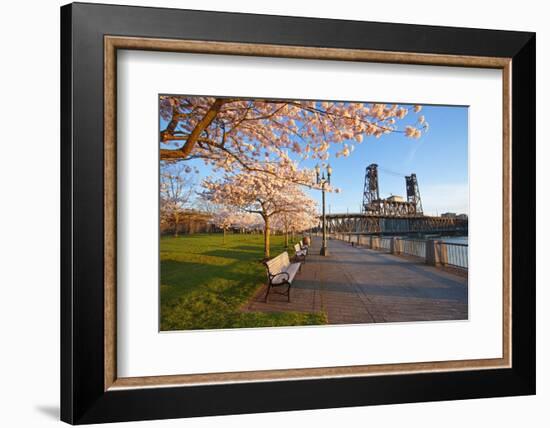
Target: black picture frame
x=83 y=398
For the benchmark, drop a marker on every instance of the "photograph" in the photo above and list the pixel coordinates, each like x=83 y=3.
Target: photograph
x=290 y=212
x=264 y=213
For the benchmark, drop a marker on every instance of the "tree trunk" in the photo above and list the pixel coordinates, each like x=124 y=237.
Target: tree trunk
x=266 y=237
x=286 y=238
x=176 y=224
x=224 y=236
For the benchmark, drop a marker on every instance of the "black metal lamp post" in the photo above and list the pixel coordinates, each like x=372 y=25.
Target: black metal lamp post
x=321 y=180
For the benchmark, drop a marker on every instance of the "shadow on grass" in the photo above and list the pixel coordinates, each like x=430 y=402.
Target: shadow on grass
x=205 y=282
x=247 y=248
x=179 y=278
x=233 y=253
x=199 y=296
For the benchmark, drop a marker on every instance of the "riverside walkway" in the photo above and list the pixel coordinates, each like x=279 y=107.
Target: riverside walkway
x=358 y=285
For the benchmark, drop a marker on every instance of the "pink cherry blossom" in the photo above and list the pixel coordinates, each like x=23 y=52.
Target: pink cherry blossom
x=236 y=134
x=252 y=192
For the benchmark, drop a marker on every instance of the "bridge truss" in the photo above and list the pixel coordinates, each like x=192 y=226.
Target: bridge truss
x=374 y=205
x=377 y=224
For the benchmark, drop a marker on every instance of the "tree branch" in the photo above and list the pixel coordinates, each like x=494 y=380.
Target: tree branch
x=204 y=123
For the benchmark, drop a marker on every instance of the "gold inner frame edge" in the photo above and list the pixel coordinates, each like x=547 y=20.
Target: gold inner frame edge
x=113 y=43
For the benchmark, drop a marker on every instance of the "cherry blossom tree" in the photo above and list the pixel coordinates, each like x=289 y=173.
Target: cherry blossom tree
x=176 y=188
x=248 y=221
x=304 y=221
x=229 y=217
x=257 y=135
x=294 y=222
x=224 y=219
x=253 y=192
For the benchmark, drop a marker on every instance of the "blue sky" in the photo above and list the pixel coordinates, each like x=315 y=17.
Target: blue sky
x=439 y=158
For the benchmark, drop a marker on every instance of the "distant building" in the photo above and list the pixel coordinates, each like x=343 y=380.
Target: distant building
x=455 y=215
x=395 y=198
x=191 y=221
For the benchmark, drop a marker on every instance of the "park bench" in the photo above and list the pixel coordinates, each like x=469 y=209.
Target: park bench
x=299 y=253
x=303 y=247
x=280 y=273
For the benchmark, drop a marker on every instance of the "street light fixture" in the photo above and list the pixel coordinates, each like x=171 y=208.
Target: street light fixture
x=322 y=181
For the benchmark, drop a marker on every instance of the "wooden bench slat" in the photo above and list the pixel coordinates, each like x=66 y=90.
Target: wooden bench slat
x=280 y=272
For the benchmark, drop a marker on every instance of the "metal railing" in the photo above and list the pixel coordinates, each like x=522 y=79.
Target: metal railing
x=385 y=243
x=446 y=253
x=414 y=247
x=363 y=240
x=456 y=254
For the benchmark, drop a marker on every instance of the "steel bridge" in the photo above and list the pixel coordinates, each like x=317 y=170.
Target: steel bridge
x=393 y=215
x=366 y=224
x=392 y=206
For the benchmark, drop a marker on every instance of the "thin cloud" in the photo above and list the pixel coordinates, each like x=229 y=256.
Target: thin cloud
x=412 y=151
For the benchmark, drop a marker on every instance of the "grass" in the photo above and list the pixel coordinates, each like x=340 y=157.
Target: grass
x=205 y=281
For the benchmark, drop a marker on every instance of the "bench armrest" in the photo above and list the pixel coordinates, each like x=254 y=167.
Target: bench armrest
x=271 y=277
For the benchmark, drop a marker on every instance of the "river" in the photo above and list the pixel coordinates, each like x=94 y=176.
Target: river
x=454 y=239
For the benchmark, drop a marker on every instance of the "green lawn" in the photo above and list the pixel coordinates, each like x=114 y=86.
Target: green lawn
x=205 y=281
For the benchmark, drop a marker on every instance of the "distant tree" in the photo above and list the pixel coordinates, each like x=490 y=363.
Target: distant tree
x=229 y=217
x=176 y=189
x=205 y=206
x=294 y=222
x=248 y=221
x=252 y=192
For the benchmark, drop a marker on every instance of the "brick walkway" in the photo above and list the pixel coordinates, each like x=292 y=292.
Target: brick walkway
x=358 y=285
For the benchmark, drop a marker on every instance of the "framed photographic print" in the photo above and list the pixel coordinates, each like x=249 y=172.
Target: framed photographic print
x=266 y=213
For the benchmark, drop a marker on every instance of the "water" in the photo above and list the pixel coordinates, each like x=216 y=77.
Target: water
x=454 y=239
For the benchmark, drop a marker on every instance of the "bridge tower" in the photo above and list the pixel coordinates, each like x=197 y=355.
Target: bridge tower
x=370 y=191
x=413 y=193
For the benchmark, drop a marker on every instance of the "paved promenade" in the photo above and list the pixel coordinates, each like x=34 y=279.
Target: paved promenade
x=358 y=285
